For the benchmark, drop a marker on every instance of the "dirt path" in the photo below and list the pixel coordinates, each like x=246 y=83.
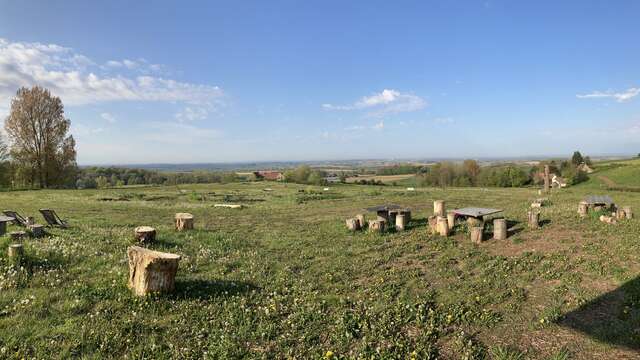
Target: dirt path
x=607 y=181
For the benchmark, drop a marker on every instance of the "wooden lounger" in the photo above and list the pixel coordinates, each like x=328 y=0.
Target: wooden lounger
x=52 y=218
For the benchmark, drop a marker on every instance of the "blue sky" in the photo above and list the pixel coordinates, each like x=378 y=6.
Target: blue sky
x=212 y=81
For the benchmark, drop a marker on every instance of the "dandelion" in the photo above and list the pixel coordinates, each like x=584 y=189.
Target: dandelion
x=328 y=354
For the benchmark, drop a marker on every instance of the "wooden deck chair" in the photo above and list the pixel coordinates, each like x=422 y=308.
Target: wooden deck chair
x=18 y=219
x=52 y=218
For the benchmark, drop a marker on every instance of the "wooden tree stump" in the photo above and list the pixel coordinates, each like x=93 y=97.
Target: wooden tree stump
x=476 y=234
x=37 y=230
x=443 y=226
x=533 y=218
x=184 y=221
x=608 y=219
x=401 y=222
x=377 y=226
x=15 y=251
x=361 y=220
x=353 y=224
x=500 y=229
x=621 y=214
x=628 y=212
x=439 y=208
x=383 y=215
x=451 y=220
x=583 y=209
x=151 y=271
x=17 y=235
x=474 y=222
x=392 y=218
x=433 y=224
x=145 y=234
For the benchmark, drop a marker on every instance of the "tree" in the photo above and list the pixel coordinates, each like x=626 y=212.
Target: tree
x=102 y=182
x=41 y=148
x=577 y=158
x=471 y=169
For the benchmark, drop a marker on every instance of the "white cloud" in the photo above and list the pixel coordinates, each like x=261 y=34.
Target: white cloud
x=378 y=126
x=387 y=101
x=618 y=96
x=76 y=79
x=108 y=117
x=192 y=113
x=444 y=120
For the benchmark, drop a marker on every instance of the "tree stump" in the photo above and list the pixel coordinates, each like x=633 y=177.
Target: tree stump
x=184 y=221
x=433 y=224
x=151 y=271
x=500 y=229
x=401 y=222
x=353 y=224
x=628 y=212
x=583 y=209
x=17 y=235
x=37 y=230
x=451 y=220
x=392 y=218
x=377 y=226
x=407 y=214
x=443 y=226
x=533 y=218
x=608 y=219
x=476 y=234
x=361 y=220
x=145 y=234
x=15 y=251
x=438 y=208
x=621 y=214
x=383 y=215
x=474 y=222
x=547 y=180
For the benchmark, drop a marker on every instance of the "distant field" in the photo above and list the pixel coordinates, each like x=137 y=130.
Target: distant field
x=383 y=178
x=616 y=174
x=283 y=278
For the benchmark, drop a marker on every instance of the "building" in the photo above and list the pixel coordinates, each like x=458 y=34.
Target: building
x=269 y=175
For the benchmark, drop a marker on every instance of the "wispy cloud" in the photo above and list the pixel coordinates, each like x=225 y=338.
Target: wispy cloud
x=79 y=81
x=444 y=120
x=192 y=113
x=618 y=96
x=387 y=101
x=108 y=117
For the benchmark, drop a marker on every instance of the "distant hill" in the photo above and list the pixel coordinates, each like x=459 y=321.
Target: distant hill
x=621 y=175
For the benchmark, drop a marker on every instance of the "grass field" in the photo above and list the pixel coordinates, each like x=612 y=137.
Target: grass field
x=387 y=179
x=283 y=278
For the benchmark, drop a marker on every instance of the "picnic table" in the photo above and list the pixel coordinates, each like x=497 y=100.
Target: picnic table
x=476 y=214
x=594 y=200
x=3 y=223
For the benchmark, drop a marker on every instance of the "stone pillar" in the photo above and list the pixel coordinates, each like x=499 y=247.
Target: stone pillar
x=500 y=229
x=151 y=271
x=37 y=231
x=439 y=208
x=401 y=222
x=547 y=180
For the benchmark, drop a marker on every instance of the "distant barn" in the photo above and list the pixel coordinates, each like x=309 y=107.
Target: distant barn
x=269 y=175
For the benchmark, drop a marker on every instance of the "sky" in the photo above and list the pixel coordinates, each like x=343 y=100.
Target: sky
x=237 y=81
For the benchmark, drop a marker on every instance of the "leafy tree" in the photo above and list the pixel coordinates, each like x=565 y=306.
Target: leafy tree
x=577 y=158
x=43 y=151
x=471 y=170
x=102 y=182
x=4 y=164
x=587 y=160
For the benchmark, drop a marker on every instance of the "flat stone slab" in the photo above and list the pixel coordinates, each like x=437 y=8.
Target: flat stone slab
x=6 y=218
x=599 y=200
x=476 y=212
x=384 y=208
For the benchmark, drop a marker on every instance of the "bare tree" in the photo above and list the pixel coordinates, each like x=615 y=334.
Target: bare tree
x=42 y=150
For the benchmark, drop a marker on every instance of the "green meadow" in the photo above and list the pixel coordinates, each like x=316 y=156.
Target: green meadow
x=283 y=278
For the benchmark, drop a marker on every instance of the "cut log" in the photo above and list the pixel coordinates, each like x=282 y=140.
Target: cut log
x=145 y=234
x=533 y=218
x=184 y=221
x=443 y=226
x=401 y=222
x=353 y=224
x=151 y=271
x=608 y=219
x=451 y=220
x=583 y=208
x=500 y=229
x=439 y=208
x=383 y=215
x=361 y=220
x=628 y=212
x=17 y=235
x=15 y=251
x=620 y=214
x=377 y=226
x=392 y=218
x=37 y=230
x=476 y=234
x=433 y=224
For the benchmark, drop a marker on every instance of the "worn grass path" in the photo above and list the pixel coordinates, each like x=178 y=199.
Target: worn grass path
x=283 y=278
